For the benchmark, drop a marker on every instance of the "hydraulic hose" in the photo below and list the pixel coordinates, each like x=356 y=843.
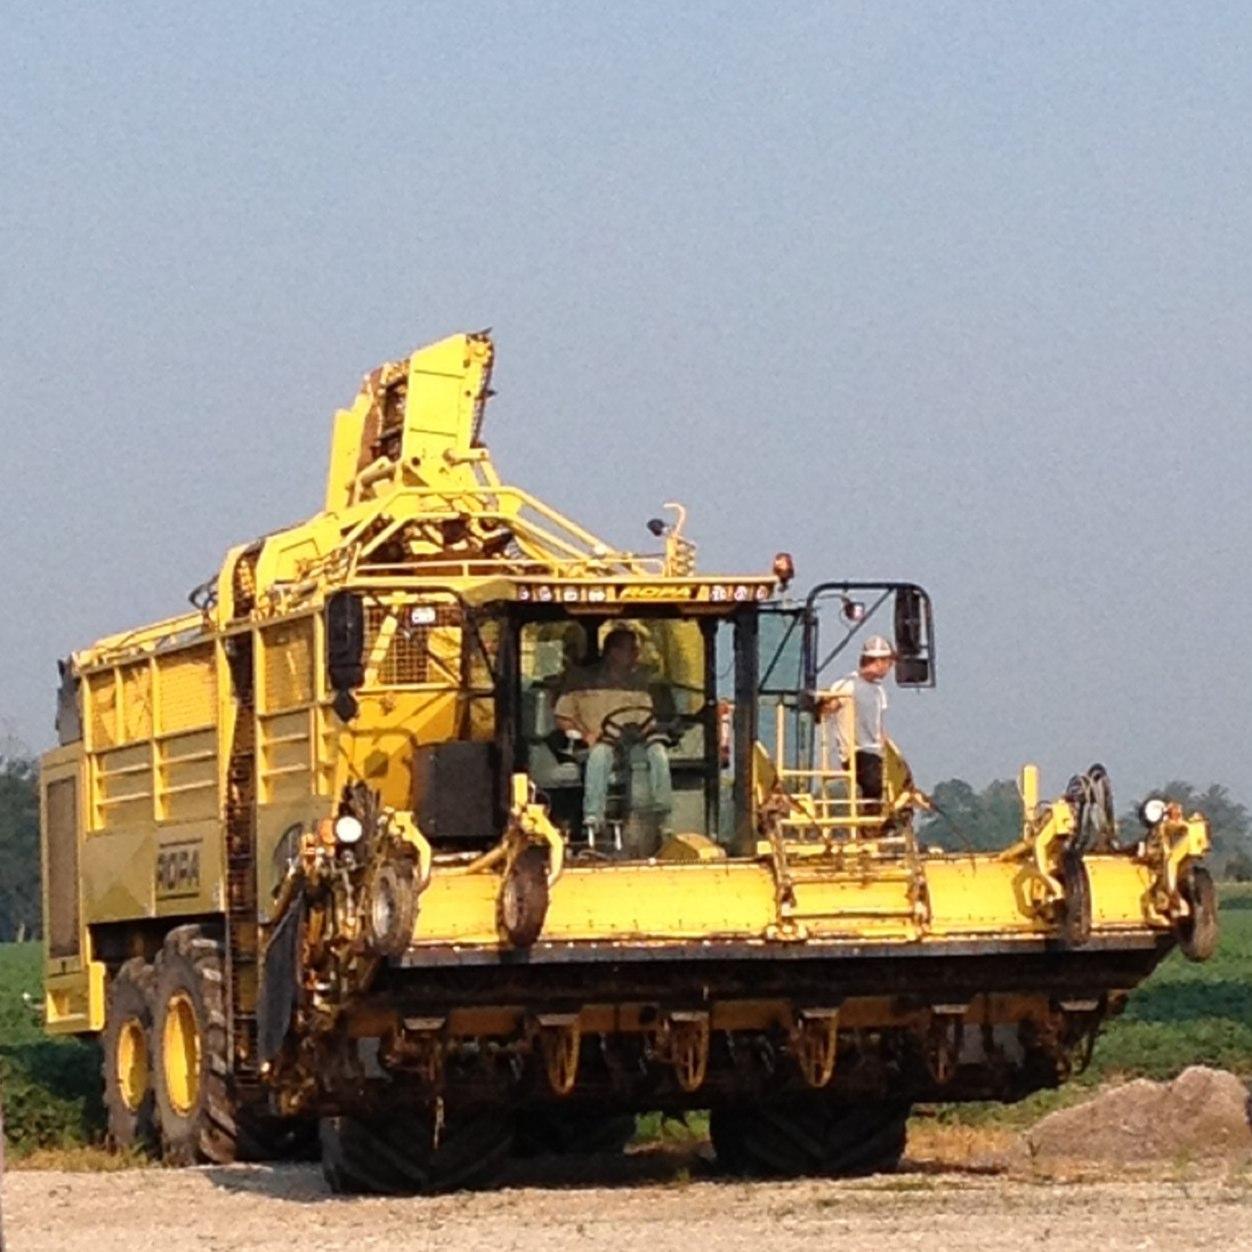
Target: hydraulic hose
x=1095 y=823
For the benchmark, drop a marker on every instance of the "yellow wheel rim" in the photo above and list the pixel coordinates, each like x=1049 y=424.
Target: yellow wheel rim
x=180 y=1053
x=132 y=1063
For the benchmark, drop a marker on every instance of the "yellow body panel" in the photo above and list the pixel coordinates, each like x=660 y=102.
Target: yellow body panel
x=73 y=999
x=968 y=898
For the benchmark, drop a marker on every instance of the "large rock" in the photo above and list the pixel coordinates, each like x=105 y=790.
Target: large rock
x=1202 y=1113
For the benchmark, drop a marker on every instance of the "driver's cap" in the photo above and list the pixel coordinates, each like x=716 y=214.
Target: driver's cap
x=876 y=648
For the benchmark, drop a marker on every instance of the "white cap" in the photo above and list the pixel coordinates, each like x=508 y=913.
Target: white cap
x=876 y=648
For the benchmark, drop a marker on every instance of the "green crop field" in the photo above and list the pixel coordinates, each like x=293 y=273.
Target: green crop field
x=1188 y=1014
x=50 y=1088
x=1185 y=1014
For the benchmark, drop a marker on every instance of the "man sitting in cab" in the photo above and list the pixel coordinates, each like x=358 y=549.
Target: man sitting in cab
x=610 y=708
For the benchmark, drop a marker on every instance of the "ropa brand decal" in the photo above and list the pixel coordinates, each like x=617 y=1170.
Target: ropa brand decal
x=657 y=593
x=178 y=870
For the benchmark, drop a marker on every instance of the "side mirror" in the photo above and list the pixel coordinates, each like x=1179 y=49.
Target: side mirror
x=914 y=638
x=345 y=650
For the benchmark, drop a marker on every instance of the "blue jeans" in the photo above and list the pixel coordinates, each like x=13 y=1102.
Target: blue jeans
x=599 y=767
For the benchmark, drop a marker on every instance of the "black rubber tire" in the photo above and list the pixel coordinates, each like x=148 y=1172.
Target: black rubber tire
x=217 y=1130
x=391 y=909
x=522 y=906
x=191 y=964
x=1076 y=906
x=807 y=1138
x=1198 y=934
x=129 y=1003
x=573 y=1131
x=397 y=1154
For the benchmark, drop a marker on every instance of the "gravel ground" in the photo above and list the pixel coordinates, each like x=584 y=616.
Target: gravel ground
x=643 y=1204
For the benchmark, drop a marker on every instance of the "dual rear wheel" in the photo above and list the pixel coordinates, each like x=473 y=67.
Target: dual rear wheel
x=167 y=1074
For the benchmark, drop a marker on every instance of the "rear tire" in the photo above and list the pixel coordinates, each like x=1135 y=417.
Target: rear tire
x=798 y=1139
x=193 y=1087
x=400 y=1154
x=196 y=1105
x=129 y=1098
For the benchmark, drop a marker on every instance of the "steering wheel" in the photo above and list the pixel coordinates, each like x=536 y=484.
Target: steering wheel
x=616 y=729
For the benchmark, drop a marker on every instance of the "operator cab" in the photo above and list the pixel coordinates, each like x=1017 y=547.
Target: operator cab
x=673 y=748
x=724 y=692
x=655 y=711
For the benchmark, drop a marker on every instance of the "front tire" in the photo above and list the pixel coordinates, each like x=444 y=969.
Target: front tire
x=129 y=1097
x=796 y=1139
x=406 y=1153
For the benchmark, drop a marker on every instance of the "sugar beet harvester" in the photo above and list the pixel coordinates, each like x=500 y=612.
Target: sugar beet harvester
x=317 y=852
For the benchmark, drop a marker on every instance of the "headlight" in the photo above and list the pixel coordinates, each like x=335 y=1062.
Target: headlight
x=1152 y=811
x=348 y=829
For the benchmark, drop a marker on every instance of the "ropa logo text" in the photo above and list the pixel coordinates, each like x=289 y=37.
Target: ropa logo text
x=178 y=870
x=657 y=593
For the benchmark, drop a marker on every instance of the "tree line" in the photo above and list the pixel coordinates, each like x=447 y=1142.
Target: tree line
x=19 y=849
x=965 y=818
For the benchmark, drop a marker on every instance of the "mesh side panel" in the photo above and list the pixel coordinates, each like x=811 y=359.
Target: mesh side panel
x=406 y=658
x=103 y=707
x=61 y=832
x=375 y=616
x=288 y=654
x=188 y=687
x=409 y=655
x=136 y=703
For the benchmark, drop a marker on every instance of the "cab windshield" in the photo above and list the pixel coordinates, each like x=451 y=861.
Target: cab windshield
x=620 y=727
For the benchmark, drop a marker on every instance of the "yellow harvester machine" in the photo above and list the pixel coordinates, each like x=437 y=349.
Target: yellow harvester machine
x=315 y=853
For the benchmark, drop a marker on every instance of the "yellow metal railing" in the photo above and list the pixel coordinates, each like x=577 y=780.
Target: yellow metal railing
x=825 y=797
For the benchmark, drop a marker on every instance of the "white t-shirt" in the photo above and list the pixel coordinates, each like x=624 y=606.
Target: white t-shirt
x=859 y=714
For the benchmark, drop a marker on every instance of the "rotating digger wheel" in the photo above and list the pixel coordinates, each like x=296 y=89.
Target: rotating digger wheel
x=798 y=1139
x=129 y=1098
x=199 y=1116
x=572 y=1132
x=1076 y=907
x=522 y=905
x=1198 y=933
x=392 y=907
x=405 y=1153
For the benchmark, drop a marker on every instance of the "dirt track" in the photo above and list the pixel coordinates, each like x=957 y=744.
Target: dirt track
x=642 y=1205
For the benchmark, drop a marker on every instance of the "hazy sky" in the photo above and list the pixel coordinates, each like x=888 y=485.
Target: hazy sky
x=958 y=293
